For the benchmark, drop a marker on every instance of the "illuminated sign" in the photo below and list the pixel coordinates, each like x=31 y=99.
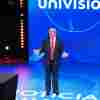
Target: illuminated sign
x=69 y=4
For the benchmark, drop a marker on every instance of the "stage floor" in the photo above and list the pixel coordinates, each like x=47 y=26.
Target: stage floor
x=76 y=81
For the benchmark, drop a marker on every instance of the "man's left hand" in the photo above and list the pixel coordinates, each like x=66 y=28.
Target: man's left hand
x=65 y=55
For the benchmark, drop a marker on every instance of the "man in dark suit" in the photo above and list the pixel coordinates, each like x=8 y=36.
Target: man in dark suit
x=53 y=49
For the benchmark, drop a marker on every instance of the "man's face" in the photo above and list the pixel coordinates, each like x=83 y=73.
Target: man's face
x=52 y=33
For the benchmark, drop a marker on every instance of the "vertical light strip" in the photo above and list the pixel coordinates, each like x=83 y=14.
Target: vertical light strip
x=22 y=24
x=22 y=33
x=21 y=3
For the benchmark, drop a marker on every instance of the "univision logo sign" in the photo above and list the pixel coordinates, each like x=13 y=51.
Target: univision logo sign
x=69 y=4
x=63 y=14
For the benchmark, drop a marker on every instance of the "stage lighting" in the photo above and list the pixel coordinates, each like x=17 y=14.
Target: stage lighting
x=21 y=3
x=7 y=48
x=22 y=14
x=22 y=33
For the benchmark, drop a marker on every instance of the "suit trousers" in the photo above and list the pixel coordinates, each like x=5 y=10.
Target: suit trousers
x=51 y=77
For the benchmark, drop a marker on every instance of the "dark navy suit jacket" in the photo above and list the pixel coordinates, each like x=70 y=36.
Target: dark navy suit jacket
x=58 y=49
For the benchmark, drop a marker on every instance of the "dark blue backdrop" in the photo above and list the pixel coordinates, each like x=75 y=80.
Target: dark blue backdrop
x=79 y=30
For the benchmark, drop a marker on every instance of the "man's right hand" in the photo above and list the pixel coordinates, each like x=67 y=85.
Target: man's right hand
x=36 y=51
x=37 y=55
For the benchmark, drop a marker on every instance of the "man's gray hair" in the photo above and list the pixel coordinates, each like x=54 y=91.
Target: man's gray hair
x=52 y=29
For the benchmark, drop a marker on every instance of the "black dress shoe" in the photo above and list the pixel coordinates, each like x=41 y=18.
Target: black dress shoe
x=47 y=93
x=57 y=93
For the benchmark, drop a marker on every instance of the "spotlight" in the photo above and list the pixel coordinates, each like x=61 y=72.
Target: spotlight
x=22 y=14
x=7 y=47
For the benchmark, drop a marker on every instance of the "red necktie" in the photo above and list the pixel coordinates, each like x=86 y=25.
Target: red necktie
x=52 y=42
x=52 y=48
